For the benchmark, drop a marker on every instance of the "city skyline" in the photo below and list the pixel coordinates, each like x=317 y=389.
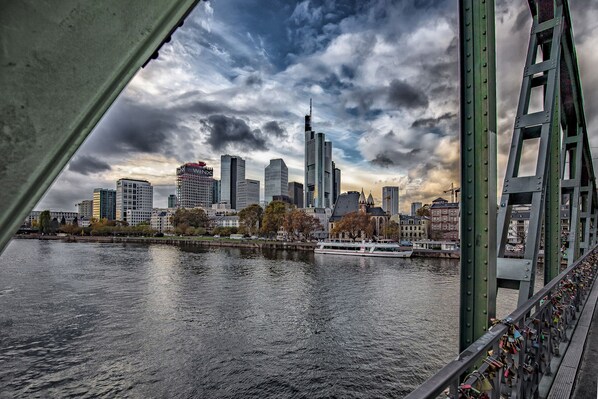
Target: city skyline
x=385 y=93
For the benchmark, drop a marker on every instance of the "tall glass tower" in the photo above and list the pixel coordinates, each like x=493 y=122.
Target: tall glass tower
x=318 y=167
x=276 y=179
x=232 y=171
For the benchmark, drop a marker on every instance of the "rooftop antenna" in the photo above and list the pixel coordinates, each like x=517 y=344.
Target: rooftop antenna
x=310 y=107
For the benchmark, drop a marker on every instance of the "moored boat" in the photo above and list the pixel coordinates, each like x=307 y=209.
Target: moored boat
x=388 y=250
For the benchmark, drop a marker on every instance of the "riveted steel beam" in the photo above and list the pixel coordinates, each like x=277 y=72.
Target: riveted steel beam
x=62 y=64
x=478 y=168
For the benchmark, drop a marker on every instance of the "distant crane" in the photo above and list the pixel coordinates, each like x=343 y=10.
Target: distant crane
x=454 y=192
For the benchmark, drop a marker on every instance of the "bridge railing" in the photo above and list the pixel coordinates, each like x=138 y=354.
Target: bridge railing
x=516 y=353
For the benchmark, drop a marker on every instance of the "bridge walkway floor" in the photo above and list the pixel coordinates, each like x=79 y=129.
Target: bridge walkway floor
x=586 y=383
x=577 y=376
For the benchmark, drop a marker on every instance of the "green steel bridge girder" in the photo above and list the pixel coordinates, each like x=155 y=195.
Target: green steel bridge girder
x=62 y=65
x=478 y=168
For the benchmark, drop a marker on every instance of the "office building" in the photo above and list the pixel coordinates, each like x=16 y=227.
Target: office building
x=85 y=209
x=248 y=193
x=232 y=171
x=318 y=167
x=336 y=183
x=414 y=227
x=276 y=179
x=215 y=191
x=445 y=220
x=296 y=194
x=134 y=201
x=104 y=204
x=160 y=219
x=414 y=207
x=390 y=200
x=172 y=203
x=194 y=183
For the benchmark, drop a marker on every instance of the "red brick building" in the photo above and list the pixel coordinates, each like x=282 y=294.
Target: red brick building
x=444 y=220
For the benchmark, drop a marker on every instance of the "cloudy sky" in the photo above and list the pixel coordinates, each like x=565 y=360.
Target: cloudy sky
x=383 y=75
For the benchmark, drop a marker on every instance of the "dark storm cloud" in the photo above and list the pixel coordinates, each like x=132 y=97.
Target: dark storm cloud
x=402 y=95
x=432 y=122
x=86 y=164
x=201 y=107
x=224 y=131
x=388 y=158
x=253 y=80
x=133 y=127
x=273 y=128
x=383 y=160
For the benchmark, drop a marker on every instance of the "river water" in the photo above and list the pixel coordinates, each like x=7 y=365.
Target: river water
x=114 y=320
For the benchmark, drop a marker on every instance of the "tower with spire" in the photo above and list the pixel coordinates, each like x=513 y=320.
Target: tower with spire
x=318 y=167
x=365 y=204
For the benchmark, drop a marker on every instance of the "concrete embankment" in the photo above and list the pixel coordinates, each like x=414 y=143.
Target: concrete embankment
x=180 y=241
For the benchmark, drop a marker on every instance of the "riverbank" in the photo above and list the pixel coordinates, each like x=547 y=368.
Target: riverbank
x=183 y=241
x=218 y=242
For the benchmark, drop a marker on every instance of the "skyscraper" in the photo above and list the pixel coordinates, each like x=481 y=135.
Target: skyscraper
x=336 y=183
x=104 y=204
x=232 y=171
x=296 y=194
x=248 y=193
x=216 y=191
x=134 y=201
x=318 y=167
x=194 y=185
x=414 y=207
x=276 y=179
x=390 y=200
x=172 y=201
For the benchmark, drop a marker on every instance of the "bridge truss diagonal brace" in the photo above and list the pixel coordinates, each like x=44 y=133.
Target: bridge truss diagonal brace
x=541 y=191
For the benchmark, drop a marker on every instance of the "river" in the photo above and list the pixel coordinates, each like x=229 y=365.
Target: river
x=114 y=320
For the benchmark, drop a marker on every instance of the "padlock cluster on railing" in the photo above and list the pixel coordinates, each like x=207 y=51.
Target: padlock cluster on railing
x=522 y=355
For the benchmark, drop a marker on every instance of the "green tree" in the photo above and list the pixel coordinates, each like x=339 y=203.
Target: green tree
x=423 y=211
x=354 y=224
x=195 y=217
x=44 y=222
x=274 y=217
x=54 y=225
x=250 y=219
x=75 y=222
x=63 y=221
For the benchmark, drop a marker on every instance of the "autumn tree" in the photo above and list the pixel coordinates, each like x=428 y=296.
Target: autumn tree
x=299 y=224
x=354 y=225
x=274 y=217
x=250 y=219
x=393 y=230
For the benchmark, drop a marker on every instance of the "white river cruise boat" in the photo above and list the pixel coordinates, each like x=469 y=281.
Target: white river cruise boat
x=387 y=250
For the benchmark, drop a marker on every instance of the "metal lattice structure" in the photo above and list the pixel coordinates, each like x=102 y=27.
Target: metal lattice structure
x=562 y=174
x=563 y=168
